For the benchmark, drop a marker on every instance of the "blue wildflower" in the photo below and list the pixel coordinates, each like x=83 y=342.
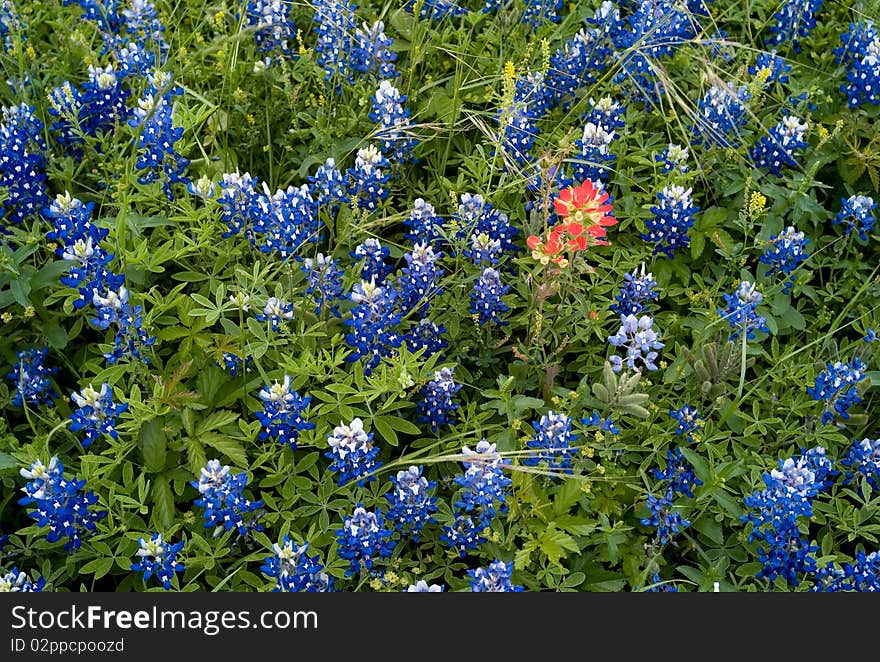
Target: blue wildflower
x=425 y=335
x=419 y=281
x=857 y=213
x=553 y=438
x=486 y=303
x=96 y=413
x=422 y=586
x=282 y=416
x=680 y=474
x=16 y=581
x=22 y=165
x=483 y=483
x=860 y=54
x=664 y=518
x=158 y=558
x=60 y=504
x=637 y=291
x=423 y=224
x=785 y=253
x=688 y=419
x=673 y=218
x=862 y=460
x=774 y=65
x=363 y=540
x=463 y=536
x=793 y=20
x=353 y=453
x=410 y=505
x=294 y=570
x=641 y=341
x=30 y=375
x=371 y=53
x=274 y=26
x=777 y=149
x=742 y=311
x=674 y=157
x=371 y=325
x=721 y=114
x=221 y=494
x=394 y=123
x=436 y=407
x=367 y=178
x=324 y=278
x=838 y=387
x=275 y=312
x=373 y=253
x=494 y=579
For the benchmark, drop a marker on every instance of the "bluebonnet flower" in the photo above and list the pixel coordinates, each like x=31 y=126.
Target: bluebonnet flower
x=583 y=56
x=30 y=375
x=143 y=26
x=238 y=199
x=353 y=453
x=793 y=20
x=275 y=312
x=838 y=387
x=604 y=424
x=325 y=282
x=367 y=177
x=394 y=123
x=16 y=581
x=363 y=540
x=335 y=25
x=410 y=505
x=373 y=253
x=328 y=186
x=518 y=120
x=593 y=154
x=96 y=413
x=674 y=157
x=870 y=335
x=688 y=419
x=664 y=517
x=778 y=147
x=857 y=213
x=158 y=558
x=423 y=223
x=436 y=10
x=104 y=13
x=436 y=407
x=483 y=483
x=22 y=165
x=422 y=586
x=494 y=579
x=371 y=53
x=60 y=504
x=721 y=113
x=656 y=29
x=234 y=364
x=10 y=24
x=203 y=187
x=553 y=438
x=476 y=216
x=483 y=249
x=637 y=291
x=862 y=575
x=294 y=570
x=537 y=12
x=785 y=253
x=772 y=66
x=274 y=25
x=286 y=221
x=774 y=512
x=742 y=311
x=157 y=157
x=221 y=494
x=659 y=586
x=679 y=473
x=134 y=59
x=114 y=308
x=860 y=54
x=282 y=415
x=673 y=218
x=862 y=460
x=372 y=323
x=486 y=303
x=464 y=535
x=100 y=106
x=419 y=281
x=426 y=335
x=641 y=341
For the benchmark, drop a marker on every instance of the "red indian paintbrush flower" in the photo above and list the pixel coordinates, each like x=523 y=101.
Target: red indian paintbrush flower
x=585 y=213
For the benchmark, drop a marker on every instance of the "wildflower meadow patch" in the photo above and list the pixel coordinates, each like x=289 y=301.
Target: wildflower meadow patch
x=439 y=295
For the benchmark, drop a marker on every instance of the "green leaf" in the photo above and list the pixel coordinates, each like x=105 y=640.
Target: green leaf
x=98 y=567
x=554 y=544
x=163 y=503
x=153 y=445
x=386 y=431
x=230 y=447
x=8 y=463
x=216 y=420
x=700 y=466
